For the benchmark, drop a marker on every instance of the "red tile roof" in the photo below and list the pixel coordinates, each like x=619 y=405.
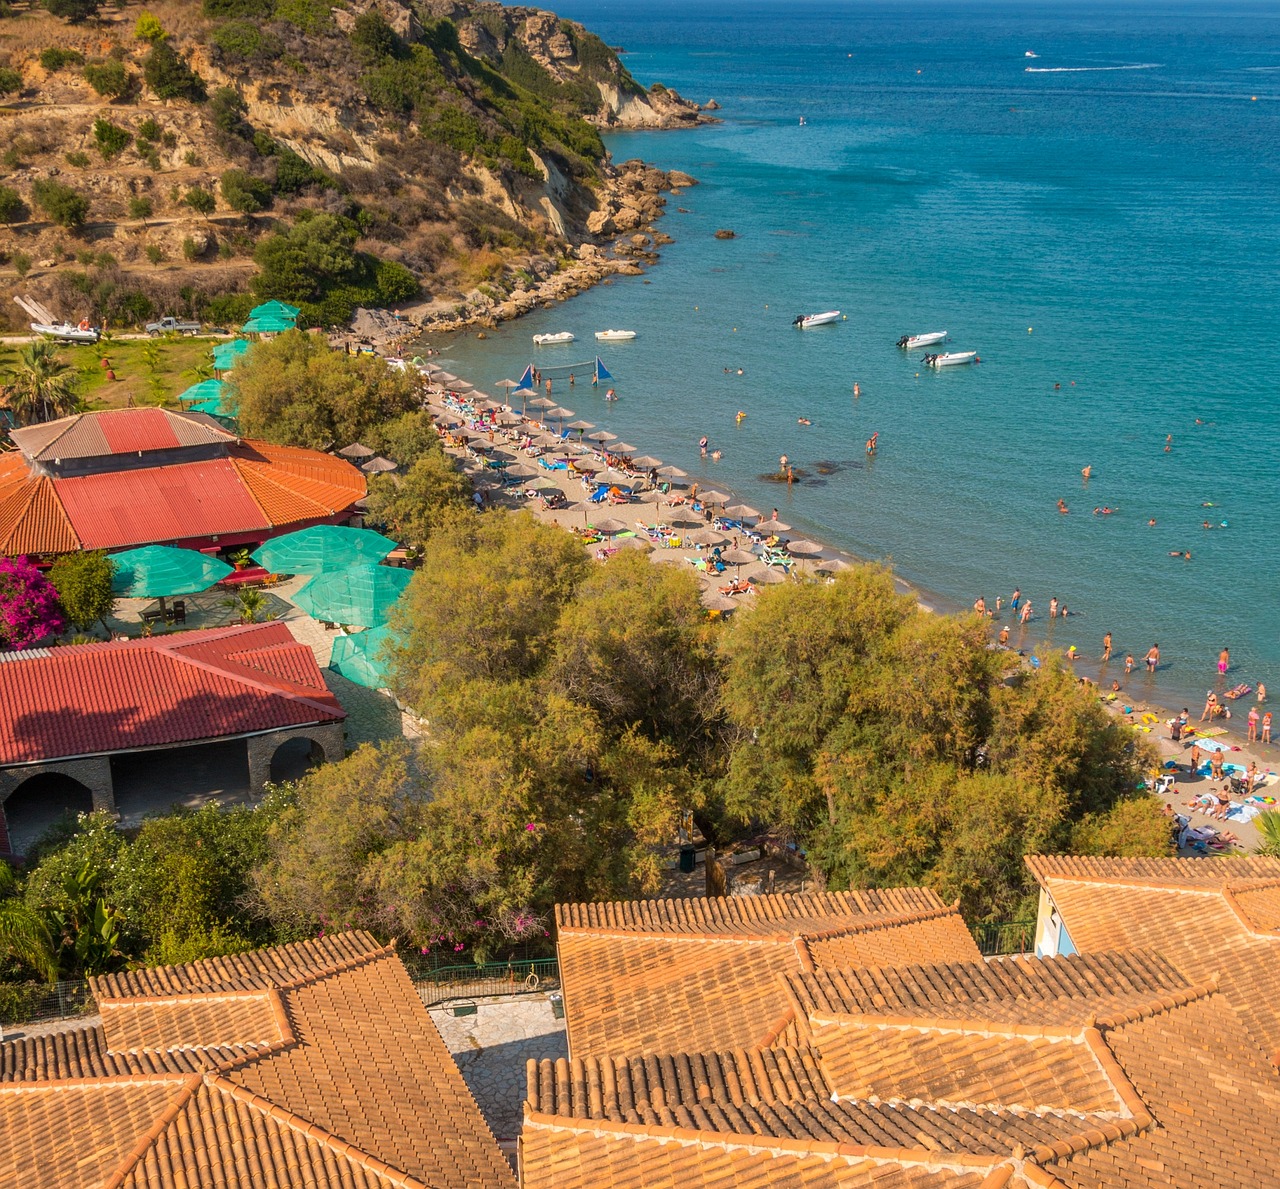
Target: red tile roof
x=32 y=520
x=96 y=698
x=117 y=431
x=308 y=1065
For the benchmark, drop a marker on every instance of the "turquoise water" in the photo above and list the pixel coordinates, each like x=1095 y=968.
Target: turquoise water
x=1120 y=203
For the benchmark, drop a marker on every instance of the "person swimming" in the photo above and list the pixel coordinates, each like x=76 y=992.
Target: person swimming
x=741 y=417
x=803 y=421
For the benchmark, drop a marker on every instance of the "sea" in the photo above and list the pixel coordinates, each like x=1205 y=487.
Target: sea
x=1085 y=194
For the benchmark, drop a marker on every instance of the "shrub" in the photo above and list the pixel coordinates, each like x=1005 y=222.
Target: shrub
x=190 y=249
x=169 y=75
x=21 y=264
x=80 y=159
x=12 y=208
x=73 y=11
x=169 y=139
x=148 y=130
x=148 y=153
x=148 y=28
x=154 y=252
x=191 y=157
x=111 y=139
x=246 y=9
x=394 y=283
x=293 y=173
x=243 y=41
x=311 y=16
x=244 y=192
x=110 y=79
x=10 y=81
x=64 y=206
x=55 y=58
x=227 y=110
x=140 y=208
x=200 y=200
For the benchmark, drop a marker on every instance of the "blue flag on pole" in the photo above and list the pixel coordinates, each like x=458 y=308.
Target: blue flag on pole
x=526 y=380
x=602 y=372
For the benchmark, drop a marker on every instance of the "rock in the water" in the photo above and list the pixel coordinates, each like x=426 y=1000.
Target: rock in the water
x=711 y=105
x=725 y=233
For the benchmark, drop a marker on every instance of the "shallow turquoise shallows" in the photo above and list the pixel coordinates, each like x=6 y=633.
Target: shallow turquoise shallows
x=1098 y=222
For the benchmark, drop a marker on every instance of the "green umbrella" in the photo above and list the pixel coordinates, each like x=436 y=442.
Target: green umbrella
x=361 y=596
x=206 y=390
x=268 y=324
x=275 y=309
x=226 y=355
x=359 y=657
x=321 y=548
x=159 y=571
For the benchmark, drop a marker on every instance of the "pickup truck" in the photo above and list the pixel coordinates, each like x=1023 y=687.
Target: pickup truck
x=172 y=326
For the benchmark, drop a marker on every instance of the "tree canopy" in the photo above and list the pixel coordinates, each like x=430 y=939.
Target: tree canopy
x=83 y=583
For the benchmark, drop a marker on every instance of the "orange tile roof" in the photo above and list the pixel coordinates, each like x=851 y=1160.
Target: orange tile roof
x=313 y=1064
x=291 y=484
x=1210 y=918
x=32 y=520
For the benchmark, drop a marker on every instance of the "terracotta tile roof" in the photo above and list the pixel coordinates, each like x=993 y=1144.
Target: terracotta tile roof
x=642 y=976
x=1211 y=919
x=116 y=431
x=310 y=1065
x=32 y=519
x=291 y=485
x=97 y=698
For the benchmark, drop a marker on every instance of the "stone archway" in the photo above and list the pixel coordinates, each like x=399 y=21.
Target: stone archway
x=38 y=803
x=294 y=758
x=289 y=753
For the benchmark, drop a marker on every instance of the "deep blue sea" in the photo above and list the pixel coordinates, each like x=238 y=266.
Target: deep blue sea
x=1101 y=228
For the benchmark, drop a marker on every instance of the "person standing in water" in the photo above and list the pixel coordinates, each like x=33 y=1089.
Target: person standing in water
x=1016 y=598
x=1224 y=662
x=1106 y=647
x=1153 y=658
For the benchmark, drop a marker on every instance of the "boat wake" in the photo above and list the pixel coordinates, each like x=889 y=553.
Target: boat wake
x=1089 y=69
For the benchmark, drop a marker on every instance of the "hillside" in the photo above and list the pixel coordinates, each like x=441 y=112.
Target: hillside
x=191 y=158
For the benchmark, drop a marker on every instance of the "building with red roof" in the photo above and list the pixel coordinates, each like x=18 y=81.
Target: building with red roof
x=127 y=477
x=71 y=712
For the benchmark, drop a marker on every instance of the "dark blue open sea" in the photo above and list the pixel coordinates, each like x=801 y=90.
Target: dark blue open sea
x=1106 y=221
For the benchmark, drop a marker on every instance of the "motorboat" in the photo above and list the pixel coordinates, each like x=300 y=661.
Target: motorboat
x=65 y=332
x=950 y=359
x=805 y=321
x=1030 y=54
x=615 y=336
x=551 y=340
x=911 y=342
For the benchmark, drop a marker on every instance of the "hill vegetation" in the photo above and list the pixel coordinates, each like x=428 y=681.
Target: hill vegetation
x=191 y=158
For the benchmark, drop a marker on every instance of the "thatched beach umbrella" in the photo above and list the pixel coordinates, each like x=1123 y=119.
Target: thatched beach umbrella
x=772 y=526
x=738 y=557
x=378 y=466
x=713 y=497
x=670 y=472
x=622 y=448
x=646 y=461
x=713 y=600
x=508 y=418
x=602 y=436
x=641 y=543
x=542 y=402
x=357 y=450
x=709 y=537
x=581 y=425
x=804 y=548
x=742 y=512
x=833 y=565
x=766 y=576
x=508 y=384
x=608 y=526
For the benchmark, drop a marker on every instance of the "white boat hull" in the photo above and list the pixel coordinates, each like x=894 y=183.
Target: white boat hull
x=615 y=336
x=551 y=340
x=913 y=341
x=67 y=333
x=806 y=321
x=952 y=359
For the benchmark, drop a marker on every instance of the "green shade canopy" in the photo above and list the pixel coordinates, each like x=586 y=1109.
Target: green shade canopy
x=359 y=658
x=157 y=571
x=361 y=596
x=322 y=548
x=226 y=355
x=205 y=390
x=209 y=396
x=268 y=324
x=275 y=309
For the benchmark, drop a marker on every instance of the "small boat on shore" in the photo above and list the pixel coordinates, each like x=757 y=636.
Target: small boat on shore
x=951 y=359
x=615 y=336
x=65 y=332
x=551 y=340
x=805 y=321
x=911 y=342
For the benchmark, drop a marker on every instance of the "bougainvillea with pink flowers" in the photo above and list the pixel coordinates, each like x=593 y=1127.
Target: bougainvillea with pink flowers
x=29 y=608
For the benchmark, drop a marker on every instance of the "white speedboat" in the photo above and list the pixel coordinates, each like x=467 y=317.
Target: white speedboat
x=550 y=340
x=67 y=333
x=805 y=321
x=1030 y=54
x=615 y=336
x=950 y=359
x=911 y=342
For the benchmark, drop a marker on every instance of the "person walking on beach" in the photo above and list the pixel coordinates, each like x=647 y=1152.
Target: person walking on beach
x=1106 y=647
x=1196 y=753
x=1253 y=725
x=1153 y=658
x=1224 y=662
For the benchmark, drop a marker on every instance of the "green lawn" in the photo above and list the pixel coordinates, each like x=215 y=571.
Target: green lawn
x=147 y=372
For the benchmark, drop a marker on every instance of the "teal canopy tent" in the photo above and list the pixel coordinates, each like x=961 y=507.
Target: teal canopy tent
x=361 y=596
x=360 y=658
x=275 y=309
x=209 y=396
x=321 y=548
x=268 y=324
x=227 y=355
x=160 y=571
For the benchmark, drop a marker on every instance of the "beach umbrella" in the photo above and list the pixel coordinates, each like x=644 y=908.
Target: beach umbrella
x=507 y=418
x=378 y=466
x=713 y=600
x=585 y=466
x=608 y=526
x=602 y=436
x=542 y=483
x=622 y=448
x=523 y=394
x=713 y=497
x=358 y=657
x=521 y=470
x=641 y=543
x=804 y=548
x=361 y=595
x=581 y=425
x=542 y=402
x=322 y=548
x=738 y=557
x=646 y=461
x=446 y=377
x=160 y=571
x=357 y=450
x=508 y=384
x=772 y=526
x=670 y=472
x=833 y=565
x=742 y=512
x=459 y=385
x=766 y=576
x=707 y=536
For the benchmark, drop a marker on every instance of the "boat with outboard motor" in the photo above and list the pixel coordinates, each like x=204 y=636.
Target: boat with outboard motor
x=615 y=336
x=805 y=321
x=911 y=342
x=65 y=332
x=951 y=359
x=551 y=340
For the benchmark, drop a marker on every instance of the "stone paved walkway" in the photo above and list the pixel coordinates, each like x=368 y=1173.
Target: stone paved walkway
x=492 y=1046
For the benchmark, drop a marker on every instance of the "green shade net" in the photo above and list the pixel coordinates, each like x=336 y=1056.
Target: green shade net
x=322 y=548
x=268 y=324
x=361 y=596
x=157 y=571
x=359 y=658
x=209 y=396
x=226 y=355
x=275 y=309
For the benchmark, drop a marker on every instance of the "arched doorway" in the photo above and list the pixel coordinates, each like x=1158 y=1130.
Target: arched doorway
x=295 y=757
x=41 y=802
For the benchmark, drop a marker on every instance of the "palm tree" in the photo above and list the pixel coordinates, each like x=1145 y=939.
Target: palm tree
x=24 y=935
x=1268 y=823
x=42 y=386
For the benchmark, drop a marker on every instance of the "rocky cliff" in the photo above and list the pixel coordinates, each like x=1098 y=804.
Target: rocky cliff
x=184 y=159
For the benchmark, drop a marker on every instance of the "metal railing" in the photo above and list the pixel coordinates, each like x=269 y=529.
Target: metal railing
x=37 y=1003
x=517 y=977
x=1005 y=937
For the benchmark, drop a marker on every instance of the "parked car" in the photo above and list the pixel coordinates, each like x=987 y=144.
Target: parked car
x=172 y=326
